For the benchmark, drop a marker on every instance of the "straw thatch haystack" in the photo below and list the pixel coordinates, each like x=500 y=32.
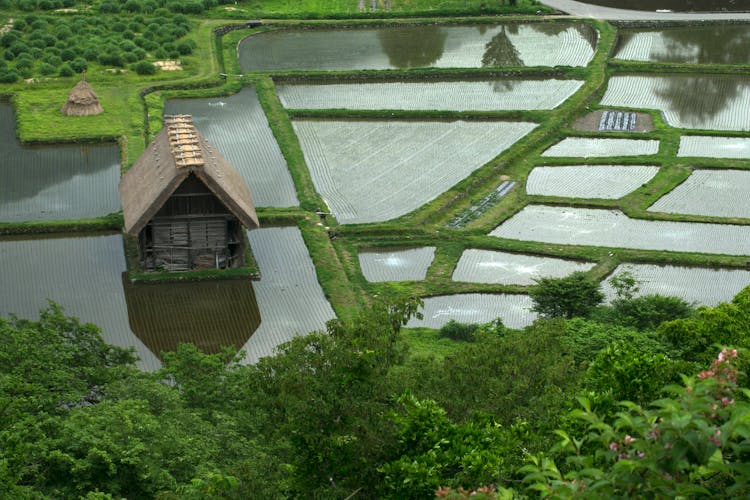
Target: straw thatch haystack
x=82 y=101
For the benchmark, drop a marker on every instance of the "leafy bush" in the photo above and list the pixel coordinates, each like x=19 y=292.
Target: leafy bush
x=66 y=70
x=47 y=69
x=144 y=68
x=568 y=297
x=8 y=76
x=459 y=331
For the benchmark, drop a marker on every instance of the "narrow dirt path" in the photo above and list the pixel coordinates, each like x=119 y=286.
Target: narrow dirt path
x=7 y=26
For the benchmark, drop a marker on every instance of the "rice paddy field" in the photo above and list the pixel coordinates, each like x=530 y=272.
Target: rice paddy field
x=714 y=147
x=612 y=228
x=371 y=171
x=709 y=102
x=420 y=46
x=397 y=264
x=701 y=286
x=588 y=181
x=45 y=183
x=503 y=268
x=83 y=275
x=435 y=121
x=487 y=95
x=290 y=299
x=713 y=44
x=584 y=147
x=237 y=126
x=513 y=310
x=719 y=193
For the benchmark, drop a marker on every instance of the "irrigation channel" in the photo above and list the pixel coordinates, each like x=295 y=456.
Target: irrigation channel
x=378 y=150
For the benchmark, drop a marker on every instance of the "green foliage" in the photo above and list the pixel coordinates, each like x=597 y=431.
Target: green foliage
x=144 y=68
x=101 y=39
x=696 y=338
x=435 y=451
x=585 y=338
x=458 y=331
x=629 y=373
x=569 y=297
x=691 y=444
x=520 y=375
x=649 y=311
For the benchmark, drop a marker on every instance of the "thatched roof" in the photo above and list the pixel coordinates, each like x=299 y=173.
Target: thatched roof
x=178 y=151
x=82 y=101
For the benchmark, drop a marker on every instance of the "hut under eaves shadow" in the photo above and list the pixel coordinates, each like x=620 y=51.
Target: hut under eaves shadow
x=185 y=203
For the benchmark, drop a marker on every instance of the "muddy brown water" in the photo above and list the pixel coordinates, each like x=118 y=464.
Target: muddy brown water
x=676 y=5
x=55 y=182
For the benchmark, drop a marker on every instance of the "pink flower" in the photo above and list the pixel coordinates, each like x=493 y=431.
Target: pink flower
x=640 y=454
x=628 y=439
x=726 y=401
x=614 y=446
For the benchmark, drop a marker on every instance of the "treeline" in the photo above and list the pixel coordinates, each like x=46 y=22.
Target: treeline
x=41 y=45
x=349 y=413
x=117 y=6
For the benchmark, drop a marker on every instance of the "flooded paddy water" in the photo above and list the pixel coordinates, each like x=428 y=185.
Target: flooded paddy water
x=710 y=102
x=420 y=46
x=719 y=193
x=503 y=268
x=714 y=147
x=702 y=286
x=612 y=228
x=485 y=95
x=55 y=182
x=713 y=44
x=85 y=276
x=585 y=147
x=513 y=310
x=589 y=181
x=371 y=171
x=237 y=126
x=397 y=264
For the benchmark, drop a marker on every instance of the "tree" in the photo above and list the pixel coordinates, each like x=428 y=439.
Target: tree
x=691 y=444
x=569 y=297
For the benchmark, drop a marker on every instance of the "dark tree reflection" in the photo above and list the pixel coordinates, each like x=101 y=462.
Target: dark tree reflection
x=706 y=45
x=697 y=99
x=413 y=46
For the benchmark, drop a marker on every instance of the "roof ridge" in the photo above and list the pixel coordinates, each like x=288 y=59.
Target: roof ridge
x=183 y=141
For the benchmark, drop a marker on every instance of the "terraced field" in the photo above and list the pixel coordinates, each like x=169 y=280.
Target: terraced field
x=702 y=286
x=709 y=102
x=714 y=147
x=43 y=183
x=584 y=147
x=513 y=310
x=420 y=46
x=720 y=193
x=487 y=95
x=370 y=171
x=83 y=275
x=612 y=228
x=396 y=265
x=584 y=181
x=289 y=296
x=503 y=268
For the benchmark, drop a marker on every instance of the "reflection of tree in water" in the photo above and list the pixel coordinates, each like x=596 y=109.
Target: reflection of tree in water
x=500 y=51
x=706 y=45
x=413 y=46
x=698 y=98
x=555 y=29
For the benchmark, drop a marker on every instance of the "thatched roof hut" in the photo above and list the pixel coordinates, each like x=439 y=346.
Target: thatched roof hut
x=185 y=202
x=82 y=101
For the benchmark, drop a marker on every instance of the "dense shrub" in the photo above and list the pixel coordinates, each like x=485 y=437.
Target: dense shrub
x=66 y=70
x=458 y=331
x=144 y=68
x=46 y=69
x=79 y=64
x=8 y=76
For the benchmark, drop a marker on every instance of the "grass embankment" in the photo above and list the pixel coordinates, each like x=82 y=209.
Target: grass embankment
x=350 y=9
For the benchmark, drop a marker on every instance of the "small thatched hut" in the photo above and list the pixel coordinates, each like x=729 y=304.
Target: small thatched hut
x=185 y=203
x=82 y=100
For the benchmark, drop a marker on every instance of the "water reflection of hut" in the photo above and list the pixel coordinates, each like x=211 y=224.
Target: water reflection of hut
x=82 y=100
x=185 y=203
x=209 y=314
